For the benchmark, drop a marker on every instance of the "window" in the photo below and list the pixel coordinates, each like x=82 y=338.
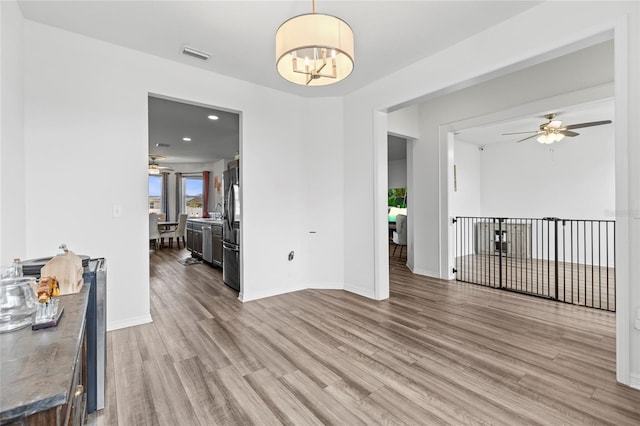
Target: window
x=192 y=196
x=155 y=194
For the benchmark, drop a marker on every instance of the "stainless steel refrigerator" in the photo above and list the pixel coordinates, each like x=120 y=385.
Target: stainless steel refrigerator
x=231 y=230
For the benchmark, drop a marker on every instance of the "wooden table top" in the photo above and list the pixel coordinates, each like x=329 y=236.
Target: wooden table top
x=36 y=369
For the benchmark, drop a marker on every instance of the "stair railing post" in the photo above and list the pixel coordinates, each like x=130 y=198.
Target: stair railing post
x=555 y=248
x=499 y=252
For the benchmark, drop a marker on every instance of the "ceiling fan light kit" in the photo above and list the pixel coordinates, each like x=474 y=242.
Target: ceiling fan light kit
x=314 y=49
x=155 y=168
x=550 y=137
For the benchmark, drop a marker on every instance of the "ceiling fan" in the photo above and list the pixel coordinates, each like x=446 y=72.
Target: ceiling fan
x=154 y=167
x=553 y=130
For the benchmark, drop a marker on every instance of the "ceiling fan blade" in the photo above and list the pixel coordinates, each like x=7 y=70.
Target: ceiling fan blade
x=569 y=133
x=520 y=133
x=528 y=137
x=589 y=124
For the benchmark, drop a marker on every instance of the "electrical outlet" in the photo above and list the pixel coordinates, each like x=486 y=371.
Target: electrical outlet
x=290 y=255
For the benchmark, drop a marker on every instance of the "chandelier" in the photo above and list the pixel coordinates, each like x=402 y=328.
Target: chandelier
x=314 y=49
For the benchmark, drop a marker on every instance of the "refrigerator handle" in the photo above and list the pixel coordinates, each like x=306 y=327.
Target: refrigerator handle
x=228 y=211
x=233 y=206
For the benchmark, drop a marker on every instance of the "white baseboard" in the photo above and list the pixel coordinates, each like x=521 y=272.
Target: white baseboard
x=360 y=291
x=424 y=272
x=247 y=297
x=634 y=381
x=326 y=286
x=243 y=297
x=129 y=322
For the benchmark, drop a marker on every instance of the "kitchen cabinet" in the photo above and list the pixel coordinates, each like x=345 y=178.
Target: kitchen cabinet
x=204 y=240
x=189 y=238
x=216 y=236
x=194 y=237
x=515 y=241
x=60 y=352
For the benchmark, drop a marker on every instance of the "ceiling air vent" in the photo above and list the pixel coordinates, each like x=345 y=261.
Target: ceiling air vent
x=195 y=53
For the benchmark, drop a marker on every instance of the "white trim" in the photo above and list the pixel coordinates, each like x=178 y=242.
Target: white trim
x=129 y=322
x=326 y=286
x=278 y=291
x=365 y=292
x=424 y=272
x=634 y=381
x=244 y=297
x=623 y=220
x=380 y=201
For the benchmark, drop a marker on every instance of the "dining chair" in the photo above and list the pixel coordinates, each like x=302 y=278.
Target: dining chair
x=400 y=234
x=178 y=232
x=154 y=233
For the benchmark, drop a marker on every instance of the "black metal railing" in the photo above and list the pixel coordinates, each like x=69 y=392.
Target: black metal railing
x=568 y=260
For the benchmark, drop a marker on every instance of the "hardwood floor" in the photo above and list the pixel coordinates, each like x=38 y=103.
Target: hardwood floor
x=580 y=284
x=435 y=352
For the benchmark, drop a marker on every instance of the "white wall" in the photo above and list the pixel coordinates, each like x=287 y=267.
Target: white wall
x=501 y=94
x=397 y=173
x=320 y=174
x=467 y=199
x=573 y=179
x=86 y=150
x=512 y=43
x=12 y=174
x=217 y=168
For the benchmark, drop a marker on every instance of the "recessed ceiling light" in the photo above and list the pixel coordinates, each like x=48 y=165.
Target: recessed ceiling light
x=186 y=139
x=213 y=117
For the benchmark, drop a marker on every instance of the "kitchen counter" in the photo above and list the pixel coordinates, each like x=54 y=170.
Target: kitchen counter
x=206 y=220
x=38 y=368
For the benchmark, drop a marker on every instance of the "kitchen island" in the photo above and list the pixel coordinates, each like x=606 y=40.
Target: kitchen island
x=43 y=372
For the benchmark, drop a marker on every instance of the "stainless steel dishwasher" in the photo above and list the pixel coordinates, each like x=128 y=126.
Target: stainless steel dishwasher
x=207 y=246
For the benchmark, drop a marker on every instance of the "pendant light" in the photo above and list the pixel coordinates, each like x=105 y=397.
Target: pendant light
x=314 y=49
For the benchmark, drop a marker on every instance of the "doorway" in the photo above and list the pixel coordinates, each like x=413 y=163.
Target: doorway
x=397 y=198
x=190 y=148
x=444 y=180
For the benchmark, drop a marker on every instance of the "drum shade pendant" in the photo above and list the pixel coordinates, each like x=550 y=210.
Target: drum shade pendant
x=314 y=49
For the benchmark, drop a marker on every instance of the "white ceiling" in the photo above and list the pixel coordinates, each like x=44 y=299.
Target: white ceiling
x=492 y=133
x=211 y=140
x=239 y=35
x=389 y=35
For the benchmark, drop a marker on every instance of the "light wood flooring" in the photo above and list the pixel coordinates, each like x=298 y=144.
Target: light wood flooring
x=580 y=284
x=435 y=352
